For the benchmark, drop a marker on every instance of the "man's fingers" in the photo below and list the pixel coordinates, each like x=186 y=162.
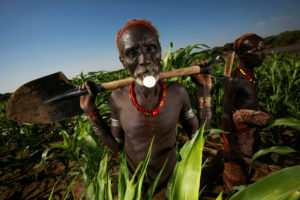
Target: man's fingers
x=202 y=63
x=79 y=87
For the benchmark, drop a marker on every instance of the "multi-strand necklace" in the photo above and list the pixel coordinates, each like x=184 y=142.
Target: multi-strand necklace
x=152 y=112
x=248 y=77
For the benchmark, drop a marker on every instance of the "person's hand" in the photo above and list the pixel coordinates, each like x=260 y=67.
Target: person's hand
x=202 y=78
x=205 y=68
x=262 y=118
x=87 y=102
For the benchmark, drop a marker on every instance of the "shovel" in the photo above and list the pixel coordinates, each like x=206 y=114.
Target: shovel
x=53 y=98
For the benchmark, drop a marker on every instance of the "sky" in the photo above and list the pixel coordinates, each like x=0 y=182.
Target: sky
x=41 y=37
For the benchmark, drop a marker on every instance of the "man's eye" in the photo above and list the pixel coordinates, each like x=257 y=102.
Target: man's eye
x=151 y=48
x=132 y=53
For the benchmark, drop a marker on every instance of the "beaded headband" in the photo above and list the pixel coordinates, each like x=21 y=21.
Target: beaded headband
x=133 y=23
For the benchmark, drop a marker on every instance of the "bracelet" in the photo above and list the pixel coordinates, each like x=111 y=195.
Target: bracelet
x=207 y=101
x=189 y=114
x=94 y=114
x=201 y=101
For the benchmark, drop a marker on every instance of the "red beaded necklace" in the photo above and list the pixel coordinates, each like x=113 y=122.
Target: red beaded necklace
x=141 y=109
x=245 y=74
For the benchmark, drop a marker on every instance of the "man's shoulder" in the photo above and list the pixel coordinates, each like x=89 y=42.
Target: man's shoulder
x=176 y=87
x=119 y=93
x=234 y=78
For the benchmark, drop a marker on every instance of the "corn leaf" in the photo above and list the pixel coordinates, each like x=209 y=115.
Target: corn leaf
x=123 y=175
x=151 y=190
x=220 y=196
x=68 y=189
x=102 y=179
x=52 y=191
x=185 y=181
x=275 y=149
x=294 y=196
x=128 y=190
x=293 y=123
x=277 y=186
x=100 y=189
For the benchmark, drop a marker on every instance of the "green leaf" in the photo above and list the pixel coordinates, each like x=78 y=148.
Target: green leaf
x=220 y=196
x=68 y=189
x=275 y=149
x=214 y=131
x=294 y=196
x=151 y=190
x=52 y=191
x=293 y=123
x=185 y=181
x=277 y=186
x=123 y=176
x=128 y=190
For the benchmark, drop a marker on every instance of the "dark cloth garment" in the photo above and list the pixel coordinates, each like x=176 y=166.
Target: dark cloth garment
x=234 y=174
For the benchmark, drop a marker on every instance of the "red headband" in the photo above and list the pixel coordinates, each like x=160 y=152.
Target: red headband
x=238 y=42
x=133 y=23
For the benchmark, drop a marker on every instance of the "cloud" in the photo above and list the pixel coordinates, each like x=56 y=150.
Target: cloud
x=260 y=23
x=280 y=18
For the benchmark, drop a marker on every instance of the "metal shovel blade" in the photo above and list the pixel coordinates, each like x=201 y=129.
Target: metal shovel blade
x=28 y=103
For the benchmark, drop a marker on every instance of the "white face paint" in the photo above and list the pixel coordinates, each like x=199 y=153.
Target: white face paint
x=149 y=81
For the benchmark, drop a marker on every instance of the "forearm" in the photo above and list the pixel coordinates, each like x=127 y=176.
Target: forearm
x=190 y=123
x=228 y=126
x=102 y=130
x=204 y=99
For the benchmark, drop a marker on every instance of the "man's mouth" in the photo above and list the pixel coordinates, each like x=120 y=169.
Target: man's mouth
x=147 y=75
x=149 y=81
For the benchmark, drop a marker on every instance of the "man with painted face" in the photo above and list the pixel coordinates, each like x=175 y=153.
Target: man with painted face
x=241 y=110
x=147 y=108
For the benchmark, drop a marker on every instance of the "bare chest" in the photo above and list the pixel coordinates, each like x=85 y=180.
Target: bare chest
x=137 y=125
x=247 y=96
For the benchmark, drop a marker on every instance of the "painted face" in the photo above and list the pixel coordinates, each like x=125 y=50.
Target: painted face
x=140 y=53
x=254 y=55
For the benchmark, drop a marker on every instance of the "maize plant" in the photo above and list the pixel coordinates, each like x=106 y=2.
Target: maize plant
x=279 y=84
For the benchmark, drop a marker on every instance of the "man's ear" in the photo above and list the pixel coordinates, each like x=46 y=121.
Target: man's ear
x=121 y=60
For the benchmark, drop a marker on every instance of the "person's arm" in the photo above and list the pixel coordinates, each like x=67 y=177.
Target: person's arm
x=116 y=127
x=230 y=91
x=101 y=129
x=204 y=84
x=189 y=120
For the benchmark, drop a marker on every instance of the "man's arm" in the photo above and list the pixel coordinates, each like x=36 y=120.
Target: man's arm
x=101 y=129
x=204 y=84
x=230 y=91
x=116 y=128
x=189 y=120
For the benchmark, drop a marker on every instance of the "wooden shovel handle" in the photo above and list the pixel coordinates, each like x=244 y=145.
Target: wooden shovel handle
x=195 y=69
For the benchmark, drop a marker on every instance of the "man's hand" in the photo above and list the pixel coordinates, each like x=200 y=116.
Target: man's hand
x=87 y=102
x=203 y=78
x=205 y=67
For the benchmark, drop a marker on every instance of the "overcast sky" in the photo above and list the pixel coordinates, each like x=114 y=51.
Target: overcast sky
x=39 y=37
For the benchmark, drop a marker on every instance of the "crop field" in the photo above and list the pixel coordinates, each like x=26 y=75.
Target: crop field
x=66 y=160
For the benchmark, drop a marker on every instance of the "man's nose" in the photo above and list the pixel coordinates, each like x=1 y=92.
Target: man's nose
x=144 y=58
